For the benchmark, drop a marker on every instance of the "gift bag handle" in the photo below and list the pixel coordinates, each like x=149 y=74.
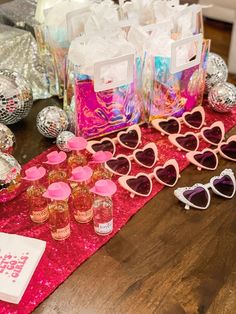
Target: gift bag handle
x=195 y=39
x=100 y=85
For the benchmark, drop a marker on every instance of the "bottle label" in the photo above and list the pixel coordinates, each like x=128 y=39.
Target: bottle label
x=40 y=216
x=104 y=228
x=84 y=216
x=62 y=233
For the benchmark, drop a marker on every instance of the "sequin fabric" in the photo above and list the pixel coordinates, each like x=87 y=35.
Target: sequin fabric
x=19 y=52
x=62 y=258
x=19 y=13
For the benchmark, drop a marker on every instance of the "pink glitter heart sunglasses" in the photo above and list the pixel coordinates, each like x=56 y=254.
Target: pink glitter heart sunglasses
x=208 y=159
x=141 y=184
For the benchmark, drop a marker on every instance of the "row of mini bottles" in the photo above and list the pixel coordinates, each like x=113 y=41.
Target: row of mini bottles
x=88 y=203
x=91 y=193
x=78 y=157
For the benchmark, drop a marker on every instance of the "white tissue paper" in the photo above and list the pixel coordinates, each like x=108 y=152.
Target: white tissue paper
x=138 y=37
x=159 y=43
x=56 y=22
x=143 y=9
x=19 y=257
x=86 y=51
x=43 y=5
x=103 y=18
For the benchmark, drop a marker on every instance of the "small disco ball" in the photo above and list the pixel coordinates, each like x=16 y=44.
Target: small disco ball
x=51 y=121
x=10 y=178
x=62 y=140
x=222 y=97
x=7 y=139
x=16 y=98
x=216 y=72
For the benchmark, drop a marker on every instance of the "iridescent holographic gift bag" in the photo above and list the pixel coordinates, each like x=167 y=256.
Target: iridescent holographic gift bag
x=107 y=106
x=171 y=87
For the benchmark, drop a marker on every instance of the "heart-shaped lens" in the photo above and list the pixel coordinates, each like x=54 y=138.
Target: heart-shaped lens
x=167 y=175
x=129 y=139
x=213 y=135
x=224 y=185
x=229 y=149
x=197 y=196
x=104 y=146
x=206 y=159
x=194 y=119
x=140 y=185
x=171 y=126
x=146 y=157
x=188 y=142
x=120 y=165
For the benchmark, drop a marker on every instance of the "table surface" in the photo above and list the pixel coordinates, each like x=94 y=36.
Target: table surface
x=165 y=260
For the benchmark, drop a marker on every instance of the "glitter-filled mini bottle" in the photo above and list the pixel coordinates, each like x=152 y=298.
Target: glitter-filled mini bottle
x=100 y=172
x=103 y=206
x=38 y=204
x=81 y=195
x=59 y=216
x=77 y=145
x=55 y=160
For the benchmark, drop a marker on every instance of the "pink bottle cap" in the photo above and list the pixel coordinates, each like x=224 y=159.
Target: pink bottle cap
x=34 y=173
x=101 y=157
x=77 y=143
x=58 y=191
x=55 y=158
x=104 y=188
x=81 y=174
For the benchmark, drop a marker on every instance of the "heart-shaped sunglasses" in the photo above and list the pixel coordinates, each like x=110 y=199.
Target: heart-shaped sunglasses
x=189 y=141
x=208 y=159
x=193 y=119
x=130 y=139
x=198 y=196
x=121 y=164
x=141 y=184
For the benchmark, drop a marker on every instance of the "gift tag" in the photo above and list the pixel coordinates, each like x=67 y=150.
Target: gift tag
x=113 y=73
x=189 y=49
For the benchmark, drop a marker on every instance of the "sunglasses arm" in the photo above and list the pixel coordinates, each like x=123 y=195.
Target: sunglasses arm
x=187 y=207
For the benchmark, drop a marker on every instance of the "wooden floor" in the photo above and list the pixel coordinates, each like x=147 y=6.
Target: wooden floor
x=164 y=261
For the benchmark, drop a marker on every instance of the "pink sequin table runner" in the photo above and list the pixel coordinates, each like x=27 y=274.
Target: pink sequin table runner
x=62 y=258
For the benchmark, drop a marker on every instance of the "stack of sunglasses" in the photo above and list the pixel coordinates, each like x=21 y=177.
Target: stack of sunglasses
x=189 y=142
x=120 y=165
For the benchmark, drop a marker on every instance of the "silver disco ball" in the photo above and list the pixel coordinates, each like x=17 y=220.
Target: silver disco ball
x=222 y=97
x=51 y=121
x=216 y=72
x=62 y=140
x=16 y=97
x=7 y=139
x=10 y=178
